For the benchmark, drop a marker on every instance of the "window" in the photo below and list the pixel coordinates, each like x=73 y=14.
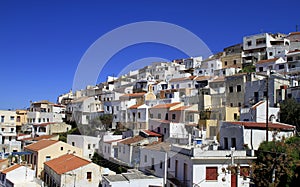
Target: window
x=89 y=146
x=151 y=115
x=176 y=168
x=191 y=118
x=173 y=116
x=167 y=116
x=18 y=119
x=235 y=116
x=281 y=66
x=73 y=143
x=234 y=62
x=270 y=53
x=152 y=164
x=169 y=162
x=12 y=129
x=61 y=148
x=238 y=88
x=249 y=43
x=159 y=116
x=160 y=164
x=12 y=118
x=225 y=63
x=89 y=176
x=211 y=173
x=48 y=158
x=165 y=130
x=94 y=145
x=230 y=89
x=231 y=104
x=139 y=115
x=233 y=142
x=225 y=143
x=158 y=129
x=2 y=119
x=145 y=160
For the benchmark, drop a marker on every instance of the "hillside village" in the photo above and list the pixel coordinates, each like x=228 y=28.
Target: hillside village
x=182 y=123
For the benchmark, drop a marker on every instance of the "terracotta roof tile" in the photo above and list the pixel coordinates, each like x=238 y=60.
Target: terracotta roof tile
x=182 y=79
x=132 y=140
x=181 y=108
x=202 y=78
x=112 y=141
x=41 y=145
x=11 y=168
x=151 y=133
x=219 y=79
x=66 y=163
x=132 y=95
x=44 y=137
x=257 y=104
x=167 y=105
x=134 y=106
x=159 y=146
x=250 y=125
x=295 y=51
x=267 y=61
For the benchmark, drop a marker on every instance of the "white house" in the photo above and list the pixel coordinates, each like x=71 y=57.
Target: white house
x=69 y=170
x=153 y=159
x=249 y=135
x=8 y=132
x=88 y=144
x=257 y=113
x=18 y=176
x=275 y=64
x=45 y=112
x=133 y=178
x=110 y=149
x=209 y=66
x=194 y=165
x=129 y=148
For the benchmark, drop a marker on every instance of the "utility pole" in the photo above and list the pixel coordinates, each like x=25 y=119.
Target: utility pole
x=267 y=109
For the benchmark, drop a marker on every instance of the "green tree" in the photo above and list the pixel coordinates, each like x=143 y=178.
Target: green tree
x=276 y=163
x=248 y=69
x=102 y=122
x=290 y=112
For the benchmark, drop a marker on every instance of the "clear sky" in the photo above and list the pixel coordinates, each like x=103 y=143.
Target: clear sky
x=42 y=42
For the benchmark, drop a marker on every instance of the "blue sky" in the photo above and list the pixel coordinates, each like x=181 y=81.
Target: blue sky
x=42 y=42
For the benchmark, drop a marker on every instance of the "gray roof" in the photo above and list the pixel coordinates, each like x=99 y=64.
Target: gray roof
x=115 y=178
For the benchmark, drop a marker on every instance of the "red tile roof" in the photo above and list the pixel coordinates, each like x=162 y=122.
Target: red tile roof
x=295 y=51
x=250 y=125
x=182 y=79
x=294 y=33
x=133 y=95
x=111 y=141
x=132 y=140
x=151 y=133
x=66 y=163
x=181 y=108
x=40 y=145
x=257 y=104
x=134 y=106
x=202 y=78
x=43 y=124
x=43 y=137
x=159 y=146
x=167 y=105
x=11 y=168
x=219 y=79
x=267 y=61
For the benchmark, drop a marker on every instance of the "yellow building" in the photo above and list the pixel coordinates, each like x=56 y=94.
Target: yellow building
x=21 y=118
x=45 y=150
